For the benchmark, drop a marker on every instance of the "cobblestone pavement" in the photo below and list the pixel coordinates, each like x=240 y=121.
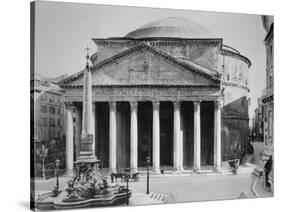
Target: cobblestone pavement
x=189 y=188
x=184 y=188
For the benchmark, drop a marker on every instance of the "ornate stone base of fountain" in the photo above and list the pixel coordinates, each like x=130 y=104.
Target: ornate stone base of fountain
x=87 y=189
x=48 y=202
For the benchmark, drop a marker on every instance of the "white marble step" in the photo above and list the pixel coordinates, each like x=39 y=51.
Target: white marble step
x=158 y=196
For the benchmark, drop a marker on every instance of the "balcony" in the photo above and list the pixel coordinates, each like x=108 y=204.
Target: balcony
x=267 y=94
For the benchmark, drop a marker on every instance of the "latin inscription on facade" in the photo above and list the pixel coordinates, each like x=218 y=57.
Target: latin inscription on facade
x=120 y=94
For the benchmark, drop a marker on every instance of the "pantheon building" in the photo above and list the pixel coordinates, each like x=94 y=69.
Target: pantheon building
x=170 y=90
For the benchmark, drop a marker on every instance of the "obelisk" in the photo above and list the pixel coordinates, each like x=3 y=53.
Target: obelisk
x=87 y=153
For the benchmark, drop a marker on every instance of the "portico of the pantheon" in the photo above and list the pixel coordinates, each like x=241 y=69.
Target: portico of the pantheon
x=170 y=90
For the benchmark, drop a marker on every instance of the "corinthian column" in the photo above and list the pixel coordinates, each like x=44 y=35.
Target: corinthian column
x=93 y=127
x=112 y=136
x=78 y=131
x=134 y=137
x=217 y=136
x=69 y=138
x=177 y=145
x=156 y=138
x=197 y=137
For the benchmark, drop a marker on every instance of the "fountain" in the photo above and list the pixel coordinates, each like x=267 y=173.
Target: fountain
x=88 y=188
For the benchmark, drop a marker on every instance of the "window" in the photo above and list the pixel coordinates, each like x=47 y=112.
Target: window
x=270 y=122
x=52 y=110
x=59 y=110
x=43 y=108
x=58 y=134
x=52 y=99
x=240 y=75
x=44 y=122
x=52 y=122
x=270 y=81
x=44 y=97
x=58 y=122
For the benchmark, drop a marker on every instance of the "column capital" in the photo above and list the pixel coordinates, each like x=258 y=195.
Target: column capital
x=134 y=105
x=196 y=105
x=176 y=104
x=197 y=101
x=69 y=106
x=93 y=106
x=156 y=105
x=218 y=104
x=112 y=104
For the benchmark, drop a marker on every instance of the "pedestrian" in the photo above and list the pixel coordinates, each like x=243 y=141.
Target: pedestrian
x=267 y=170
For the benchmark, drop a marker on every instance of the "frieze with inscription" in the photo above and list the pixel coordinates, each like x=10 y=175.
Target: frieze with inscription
x=142 y=94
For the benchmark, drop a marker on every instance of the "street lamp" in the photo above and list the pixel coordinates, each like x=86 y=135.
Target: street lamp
x=127 y=175
x=42 y=153
x=57 y=171
x=147 y=174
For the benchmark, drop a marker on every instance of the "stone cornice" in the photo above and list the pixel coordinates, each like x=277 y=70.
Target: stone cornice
x=235 y=85
x=235 y=55
x=155 y=41
x=146 y=86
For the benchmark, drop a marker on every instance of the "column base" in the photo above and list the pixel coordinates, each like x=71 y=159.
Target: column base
x=217 y=169
x=177 y=170
x=70 y=173
x=197 y=170
x=134 y=170
x=156 y=170
x=113 y=170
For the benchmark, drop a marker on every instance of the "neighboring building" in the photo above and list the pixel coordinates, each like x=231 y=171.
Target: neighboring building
x=267 y=98
x=159 y=92
x=47 y=110
x=258 y=122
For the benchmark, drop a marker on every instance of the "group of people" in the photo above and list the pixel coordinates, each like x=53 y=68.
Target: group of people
x=267 y=170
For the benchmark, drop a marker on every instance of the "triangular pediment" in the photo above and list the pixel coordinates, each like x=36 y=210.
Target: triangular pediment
x=144 y=65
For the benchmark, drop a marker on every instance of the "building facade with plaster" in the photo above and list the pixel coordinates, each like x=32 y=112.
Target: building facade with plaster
x=267 y=97
x=47 y=124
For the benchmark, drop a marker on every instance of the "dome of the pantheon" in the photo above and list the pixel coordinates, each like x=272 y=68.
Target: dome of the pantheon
x=171 y=27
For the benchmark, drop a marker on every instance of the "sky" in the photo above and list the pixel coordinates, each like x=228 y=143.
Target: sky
x=63 y=30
